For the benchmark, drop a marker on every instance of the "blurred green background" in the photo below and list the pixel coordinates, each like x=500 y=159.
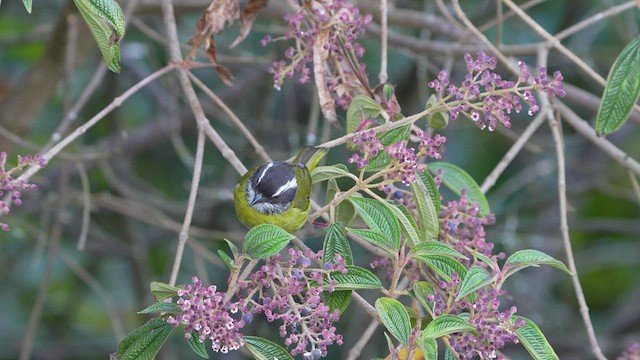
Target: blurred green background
x=138 y=161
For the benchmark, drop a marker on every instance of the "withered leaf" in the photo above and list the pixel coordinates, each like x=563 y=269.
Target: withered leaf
x=249 y=14
x=320 y=56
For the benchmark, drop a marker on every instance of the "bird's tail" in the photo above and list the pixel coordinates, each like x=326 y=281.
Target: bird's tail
x=310 y=156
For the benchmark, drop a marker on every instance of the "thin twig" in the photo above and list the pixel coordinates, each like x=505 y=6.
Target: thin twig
x=49 y=155
x=636 y=186
x=234 y=118
x=383 y=76
x=86 y=206
x=564 y=229
x=582 y=127
x=356 y=349
x=511 y=154
x=102 y=294
x=615 y=10
x=184 y=232
x=555 y=42
x=54 y=242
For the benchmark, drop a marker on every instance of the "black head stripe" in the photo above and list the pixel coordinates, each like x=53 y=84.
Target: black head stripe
x=276 y=182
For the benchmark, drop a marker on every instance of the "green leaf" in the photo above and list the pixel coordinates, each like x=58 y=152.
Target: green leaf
x=375 y=237
x=395 y=318
x=144 y=342
x=27 y=5
x=234 y=249
x=198 y=346
x=476 y=278
x=533 y=340
x=429 y=348
x=622 y=90
x=443 y=265
x=361 y=108
x=432 y=247
x=263 y=349
x=421 y=290
x=107 y=24
x=162 y=291
x=336 y=242
x=529 y=257
x=439 y=119
x=457 y=179
x=408 y=225
x=339 y=299
x=322 y=173
x=378 y=217
x=162 y=307
x=345 y=213
x=392 y=136
x=265 y=240
x=445 y=325
x=227 y=259
x=427 y=211
x=355 y=278
x=432 y=190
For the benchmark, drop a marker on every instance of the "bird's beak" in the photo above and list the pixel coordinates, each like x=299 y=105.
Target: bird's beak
x=256 y=199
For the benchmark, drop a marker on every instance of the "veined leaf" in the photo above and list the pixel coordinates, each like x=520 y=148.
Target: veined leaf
x=622 y=90
x=525 y=258
x=265 y=240
x=226 y=259
x=345 y=213
x=162 y=291
x=355 y=278
x=378 y=217
x=444 y=266
x=107 y=24
x=433 y=247
x=421 y=290
x=457 y=179
x=322 y=173
x=395 y=318
x=27 y=5
x=361 y=108
x=476 y=278
x=429 y=348
x=197 y=346
x=408 y=225
x=428 y=215
x=390 y=137
x=263 y=349
x=161 y=307
x=336 y=242
x=144 y=342
x=377 y=238
x=339 y=299
x=533 y=340
x=445 y=325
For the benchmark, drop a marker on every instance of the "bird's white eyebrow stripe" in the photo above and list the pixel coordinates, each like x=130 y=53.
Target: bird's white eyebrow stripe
x=264 y=172
x=291 y=184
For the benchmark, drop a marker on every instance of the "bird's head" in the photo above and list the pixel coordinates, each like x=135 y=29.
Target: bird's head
x=272 y=187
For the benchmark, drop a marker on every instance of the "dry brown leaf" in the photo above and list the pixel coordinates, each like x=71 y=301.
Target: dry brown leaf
x=320 y=56
x=249 y=14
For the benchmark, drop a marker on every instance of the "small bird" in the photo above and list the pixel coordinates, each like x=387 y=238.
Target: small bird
x=278 y=192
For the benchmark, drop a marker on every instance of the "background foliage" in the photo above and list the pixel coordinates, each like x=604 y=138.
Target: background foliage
x=134 y=168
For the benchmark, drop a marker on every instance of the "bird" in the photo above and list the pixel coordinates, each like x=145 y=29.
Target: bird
x=278 y=192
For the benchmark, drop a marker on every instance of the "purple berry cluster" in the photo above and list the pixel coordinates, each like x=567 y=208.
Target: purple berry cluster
x=494 y=328
x=13 y=187
x=290 y=291
x=462 y=226
x=631 y=353
x=207 y=314
x=486 y=98
x=405 y=163
x=345 y=25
